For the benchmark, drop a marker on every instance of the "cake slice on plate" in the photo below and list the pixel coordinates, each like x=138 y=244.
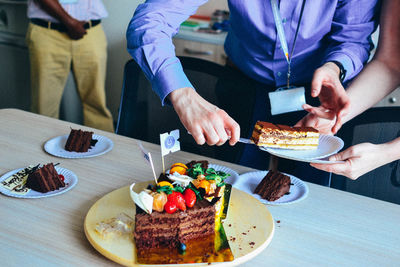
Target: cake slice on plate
x=273 y=186
x=283 y=136
x=45 y=179
x=80 y=141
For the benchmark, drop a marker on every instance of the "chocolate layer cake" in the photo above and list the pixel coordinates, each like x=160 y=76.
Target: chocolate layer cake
x=79 y=141
x=283 y=136
x=273 y=186
x=158 y=229
x=44 y=179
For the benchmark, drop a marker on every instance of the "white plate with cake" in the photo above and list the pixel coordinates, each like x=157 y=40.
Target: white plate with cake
x=78 y=144
x=277 y=188
x=55 y=182
x=295 y=143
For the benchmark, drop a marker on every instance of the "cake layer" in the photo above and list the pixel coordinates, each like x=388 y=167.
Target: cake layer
x=283 y=136
x=273 y=186
x=79 y=141
x=44 y=179
x=160 y=229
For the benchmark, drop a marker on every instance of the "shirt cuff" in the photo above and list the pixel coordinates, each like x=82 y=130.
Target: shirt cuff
x=169 y=79
x=346 y=62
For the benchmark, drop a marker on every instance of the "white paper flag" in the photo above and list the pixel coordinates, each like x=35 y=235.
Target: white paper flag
x=147 y=157
x=169 y=142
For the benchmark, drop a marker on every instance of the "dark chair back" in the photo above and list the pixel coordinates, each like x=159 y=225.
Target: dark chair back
x=141 y=115
x=376 y=125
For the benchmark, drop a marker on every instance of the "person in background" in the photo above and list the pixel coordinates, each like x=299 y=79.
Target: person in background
x=379 y=78
x=64 y=35
x=332 y=46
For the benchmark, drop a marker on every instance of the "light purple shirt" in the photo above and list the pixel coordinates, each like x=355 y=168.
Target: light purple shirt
x=83 y=10
x=330 y=30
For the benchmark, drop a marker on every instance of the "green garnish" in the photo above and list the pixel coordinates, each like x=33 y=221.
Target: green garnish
x=166 y=189
x=195 y=190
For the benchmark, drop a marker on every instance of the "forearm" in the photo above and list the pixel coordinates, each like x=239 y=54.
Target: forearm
x=54 y=8
x=149 y=37
x=392 y=150
x=371 y=85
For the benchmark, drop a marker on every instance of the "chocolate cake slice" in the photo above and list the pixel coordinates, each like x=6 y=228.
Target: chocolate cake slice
x=283 y=136
x=273 y=186
x=163 y=232
x=44 y=179
x=79 y=141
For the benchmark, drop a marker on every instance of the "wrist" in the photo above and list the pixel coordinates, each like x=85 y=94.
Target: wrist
x=180 y=96
x=332 y=66
x=68 y=21
x=339 y=69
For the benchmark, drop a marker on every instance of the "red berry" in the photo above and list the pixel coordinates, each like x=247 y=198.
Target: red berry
x=178 y=199
x=61 y=177
x=170 y=207
x=190 y=197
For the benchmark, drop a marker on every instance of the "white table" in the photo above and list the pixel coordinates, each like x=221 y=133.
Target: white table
x=328 y=228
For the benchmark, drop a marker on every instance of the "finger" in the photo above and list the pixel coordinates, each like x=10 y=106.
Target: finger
x=322 y=113
x=344 y=155
x=316 y=83
x=210 y=134
x=221 y=132
x=339 y=117
x=337 y=126
x=307 y=107
x=197 y=134
x=233 y=127
x=338 y=168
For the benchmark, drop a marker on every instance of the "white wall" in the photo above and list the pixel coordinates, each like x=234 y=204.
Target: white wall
x=120 y=13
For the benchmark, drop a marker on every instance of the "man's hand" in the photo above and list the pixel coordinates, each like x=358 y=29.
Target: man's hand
x=359 y=159
x=324 y=126
x=206 y=122
x=335 y=103
x=75 y=28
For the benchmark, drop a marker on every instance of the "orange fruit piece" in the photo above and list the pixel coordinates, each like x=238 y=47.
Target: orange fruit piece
x=179 y=168
x=165 y=183
x=206 y=185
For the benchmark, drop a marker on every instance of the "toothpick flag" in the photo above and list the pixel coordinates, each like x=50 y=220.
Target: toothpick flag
x=169 y=144
x=147 y=157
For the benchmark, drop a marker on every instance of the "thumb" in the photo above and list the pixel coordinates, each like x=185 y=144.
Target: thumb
x=316 y=84
x=344 y=155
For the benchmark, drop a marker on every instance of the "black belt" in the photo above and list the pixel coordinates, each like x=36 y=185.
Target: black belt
x=61 y=27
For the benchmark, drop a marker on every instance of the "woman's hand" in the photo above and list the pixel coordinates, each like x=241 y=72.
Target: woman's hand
x=359 y=159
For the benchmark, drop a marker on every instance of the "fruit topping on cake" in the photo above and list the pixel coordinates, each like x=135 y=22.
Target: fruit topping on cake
x=185 y=216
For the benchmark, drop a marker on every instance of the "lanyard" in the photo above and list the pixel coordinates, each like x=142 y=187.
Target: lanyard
x=281 y=33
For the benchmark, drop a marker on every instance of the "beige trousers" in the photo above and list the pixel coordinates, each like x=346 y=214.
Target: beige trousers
x=52 y=55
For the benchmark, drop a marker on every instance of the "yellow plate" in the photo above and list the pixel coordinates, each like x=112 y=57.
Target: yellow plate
x=249 y=227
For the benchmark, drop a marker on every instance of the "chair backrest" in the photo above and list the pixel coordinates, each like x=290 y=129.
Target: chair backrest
x=376 y=125
x=141 y=115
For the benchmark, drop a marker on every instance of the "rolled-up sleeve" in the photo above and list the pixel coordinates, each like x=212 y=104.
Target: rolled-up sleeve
x=349 y=39
x=149 y=39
